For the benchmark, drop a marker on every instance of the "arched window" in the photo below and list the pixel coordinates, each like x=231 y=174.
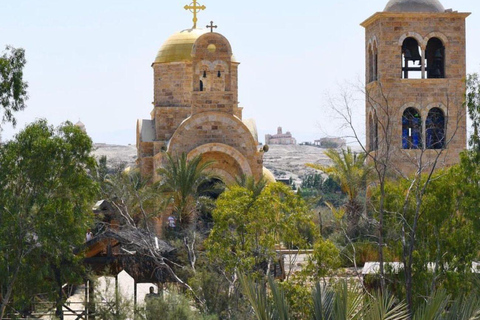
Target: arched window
x=435 y=129
x=411 y=59
x=370 y=64
x=201 y=85
x=218 y=83
x=435 y=55
x=411 y=129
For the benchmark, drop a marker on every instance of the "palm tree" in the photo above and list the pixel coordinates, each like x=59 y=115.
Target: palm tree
x=350 y=171
x=132 y=196
x=250 y=184
x=345 y=302
x=337 y=302
x=180 y=180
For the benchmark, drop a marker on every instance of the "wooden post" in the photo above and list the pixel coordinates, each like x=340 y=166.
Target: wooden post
x=134 y=297
x=117 y=296
x=87 y=300
x=91 y=299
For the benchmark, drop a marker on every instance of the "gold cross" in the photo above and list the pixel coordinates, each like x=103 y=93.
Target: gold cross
x=195 y=8
x=211 y=26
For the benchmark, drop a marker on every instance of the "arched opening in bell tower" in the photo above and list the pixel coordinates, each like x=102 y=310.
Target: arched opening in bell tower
x=411 y=59
x=411 y=129
x=435 y=59
x=373 y=133
x=435 y=129
x=372 y=62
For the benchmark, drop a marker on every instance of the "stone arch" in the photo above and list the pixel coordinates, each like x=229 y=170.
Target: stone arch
x=192 y=123
x=438 y=35
x=201 y=66
x=407 y=105
x=437 y=105
x=222 y=45
x=233 y=163
x=373 y=41
x=220 y=64
x=416 y=36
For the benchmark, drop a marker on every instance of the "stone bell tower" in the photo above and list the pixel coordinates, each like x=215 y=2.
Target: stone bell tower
x=415 y=84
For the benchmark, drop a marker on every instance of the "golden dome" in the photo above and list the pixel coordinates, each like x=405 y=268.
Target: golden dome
x=178 y=47
x=268 y=176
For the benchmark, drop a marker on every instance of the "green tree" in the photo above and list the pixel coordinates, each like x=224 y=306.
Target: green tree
x=337 y=302
x=13 y=90
x=180 y=180
x=435 y=231
x=248 y=227
x=135 y=200
x=45 y=208
x=350 y=171
x=324 y=259
x=472 y=102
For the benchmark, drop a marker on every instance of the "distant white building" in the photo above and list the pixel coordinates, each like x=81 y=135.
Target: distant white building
x=280 y=138
x=331 y=143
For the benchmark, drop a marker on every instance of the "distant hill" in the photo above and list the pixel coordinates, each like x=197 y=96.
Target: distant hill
x=283 y=161
x=286 y=161
x=117 y=155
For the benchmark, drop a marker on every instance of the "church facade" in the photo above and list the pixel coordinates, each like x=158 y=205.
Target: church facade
x=196 y=109
x=415 y=84
x=280 y=138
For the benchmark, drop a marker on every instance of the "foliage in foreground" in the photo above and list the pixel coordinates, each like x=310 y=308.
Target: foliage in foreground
x=343 y=301
x=13 y=90
x=249 y=225
x=45 y=208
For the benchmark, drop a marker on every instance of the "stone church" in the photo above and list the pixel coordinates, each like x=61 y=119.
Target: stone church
x=415 y=84
x=196 y=109
x=415 y=87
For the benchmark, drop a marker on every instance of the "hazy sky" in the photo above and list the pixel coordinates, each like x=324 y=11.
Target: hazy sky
x=91 y=60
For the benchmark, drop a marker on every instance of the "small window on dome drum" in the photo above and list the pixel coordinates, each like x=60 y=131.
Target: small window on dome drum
x=201 y=85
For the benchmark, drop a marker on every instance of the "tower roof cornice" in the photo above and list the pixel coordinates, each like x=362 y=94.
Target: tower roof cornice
x=383 y=15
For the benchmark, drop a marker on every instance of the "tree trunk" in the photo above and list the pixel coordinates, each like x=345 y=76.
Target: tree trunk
x=380 y=238
x=7 y=296
x=59 y=302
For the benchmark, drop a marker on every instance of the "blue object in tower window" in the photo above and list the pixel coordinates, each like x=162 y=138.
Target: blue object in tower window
x=416 y=138
x=405 y=139
x=416 y=133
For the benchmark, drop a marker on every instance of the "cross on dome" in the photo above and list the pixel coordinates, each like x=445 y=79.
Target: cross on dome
x=195 y=8
x=211 y=26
